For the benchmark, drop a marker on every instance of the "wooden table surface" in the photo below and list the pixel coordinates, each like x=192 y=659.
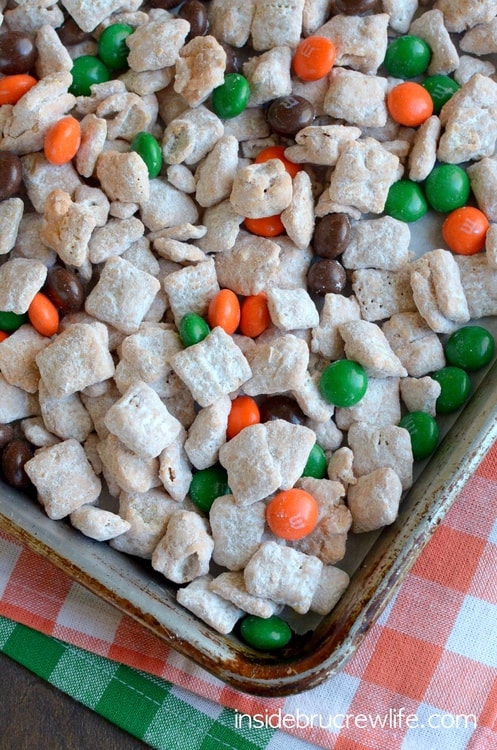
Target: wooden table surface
x=34 y=715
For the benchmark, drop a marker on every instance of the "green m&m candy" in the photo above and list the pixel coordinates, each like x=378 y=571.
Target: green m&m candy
x=207 y=485
x=447 y=187
x=406 y=201
x=10 y=321
x=231 y=97
x=423 y=431
x=265 y=634
x=441 y=88
x=343 y=383
x=192 y=328
x=112 y=47
x=471 y=348
x=316 y=464
x=150 y=151
x=87 y=70
x=407 y=57
x=456 y=387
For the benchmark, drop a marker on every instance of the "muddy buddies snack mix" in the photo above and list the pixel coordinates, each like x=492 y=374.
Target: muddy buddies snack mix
x=216 y=337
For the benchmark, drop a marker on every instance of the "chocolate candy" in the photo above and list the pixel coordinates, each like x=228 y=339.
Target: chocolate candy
x=195 y=13
x=233 y=62
x=6 y=434
x=14 y=455
x=356 y=7
x=70 y=33
x=10 y=174
x=331 y=235
x=17 y=53
x=326 y=276
x=288 y=114
x=64 y=289
x=281 y=407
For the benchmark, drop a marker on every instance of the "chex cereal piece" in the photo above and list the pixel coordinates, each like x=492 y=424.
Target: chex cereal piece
x=148 y=514
x=175 y=470
x=177 y=251
x=253 y=471
x=150 y=349
x=363 y=175
x=309 y=398
x=438 y=292
x=67 y=227
x=209 y=606
x=294 y=264
x=341 y=466
x=491 y=245
x=123 y=176
x=35 y=432
x=469 y=118
x=76 y=358
x=479 y=283
x=361 y=42
x=284 y=575
x=378 y=447
x=469 y=66
x=380 y=405
x=212 y=368
x=336 y=309
x=328 y=539
x=222 y=226
x=167 y=207
x=96 y=200
x=374 y=500
x=483 y=179
x=431 y=27
x=199 y=69
x=366 y=343
x=156 y=44
x=56 y=471
x=130 y=472
x=237 y=530
x=93 y=136
x=52 y=55
x=250 y=266
x=298 y=218
x=423 y=154
x=28 y=241
x=464 y=14
x=420 y=394
x=16 y=403
x=88 y=16
x=11 y=212
x=191 y=288
x=190 y=136
x=114 y=238
x=185 y=550
x=277 y=366
x=332 y=584
x=328 y=436
x=98 y=523
x=400 y=13
x=289 y=445
x=291 y=309
x=208 y=433
x=20 y=280
x=142 y=421
x=40 y=179
x=378 y=243
x=39 y=14
x=65 y=417
x=357 y=98
x=214 y=176
x=18 y=357
x=321 y=144
x=416 y=345
x=231 y=586
x=275 y=24
x=481 y=39
x=381 y=294
x=269 y=75
x=122 y=295
x=231 y=22
x=261 y=189
x=98 y=405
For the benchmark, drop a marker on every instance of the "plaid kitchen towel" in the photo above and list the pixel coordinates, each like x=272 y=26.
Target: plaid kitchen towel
x=425 y=677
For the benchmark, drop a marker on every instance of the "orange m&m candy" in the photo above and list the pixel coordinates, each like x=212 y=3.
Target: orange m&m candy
x=292 y=514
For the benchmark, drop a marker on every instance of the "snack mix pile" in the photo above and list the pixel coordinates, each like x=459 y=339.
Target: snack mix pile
x=209 y=303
